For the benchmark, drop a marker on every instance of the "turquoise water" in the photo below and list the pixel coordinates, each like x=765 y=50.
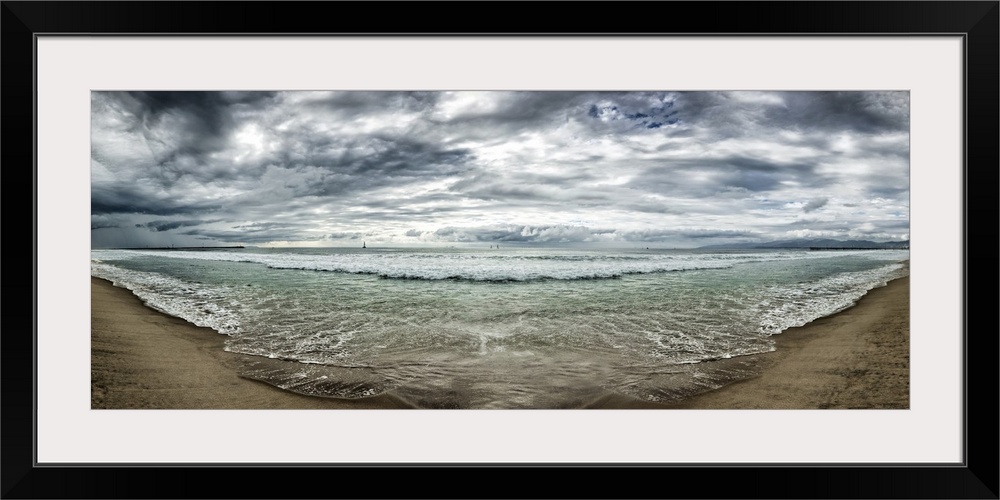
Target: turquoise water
x=498 y=328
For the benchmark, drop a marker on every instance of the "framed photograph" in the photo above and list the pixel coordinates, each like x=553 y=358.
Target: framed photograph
x=739 y=245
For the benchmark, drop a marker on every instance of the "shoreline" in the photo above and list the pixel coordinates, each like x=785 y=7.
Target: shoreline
x=144 y=359
x=856 y=358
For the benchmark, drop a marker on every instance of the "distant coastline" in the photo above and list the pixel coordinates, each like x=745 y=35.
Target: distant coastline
x=813 y=244
x=180 y=248
x=858 y=248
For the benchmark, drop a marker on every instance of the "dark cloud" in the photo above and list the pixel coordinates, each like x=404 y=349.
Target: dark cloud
x=518 y=190
x=207 y=117
x=381 y=160
x=349 y=105
x=570 y=234
x=658 y=235
x=520 y=109
x=513 y=166
x=333 y=167
x=886 y=186
x=518 y=234
x=708 y=177
x=864 y=112
x=121 y=198
x=344 y=236
x=252 y=237
x=814 y=204
x=167 y=225
x=729 y=113
x=264 y=226
x=900 y=222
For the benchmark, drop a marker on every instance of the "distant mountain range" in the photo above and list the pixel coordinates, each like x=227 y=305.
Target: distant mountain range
x=815 y=243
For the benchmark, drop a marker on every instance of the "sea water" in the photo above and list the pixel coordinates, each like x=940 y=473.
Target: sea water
x=498 y=328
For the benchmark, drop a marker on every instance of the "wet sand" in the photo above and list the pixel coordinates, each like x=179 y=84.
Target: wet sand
x=858 y=358
x=141 y=358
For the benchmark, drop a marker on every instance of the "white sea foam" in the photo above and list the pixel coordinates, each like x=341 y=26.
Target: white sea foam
x=198 y=304
x=790 y=306
x=506 y=317
x=481 y=266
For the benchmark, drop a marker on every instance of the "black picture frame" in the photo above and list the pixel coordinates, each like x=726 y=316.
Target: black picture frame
x=976 y=22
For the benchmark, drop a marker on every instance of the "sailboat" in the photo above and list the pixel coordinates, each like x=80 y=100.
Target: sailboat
x=363 y=245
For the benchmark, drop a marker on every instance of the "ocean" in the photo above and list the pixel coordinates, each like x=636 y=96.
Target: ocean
x=498 y=328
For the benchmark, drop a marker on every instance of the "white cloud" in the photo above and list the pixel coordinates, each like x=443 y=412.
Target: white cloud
x=384 y=163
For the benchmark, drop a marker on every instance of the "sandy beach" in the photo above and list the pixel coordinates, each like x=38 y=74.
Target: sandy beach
x=858 y=358
x=141 y=358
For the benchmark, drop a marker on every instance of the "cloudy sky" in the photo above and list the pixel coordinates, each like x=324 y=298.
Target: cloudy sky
x=663 y=169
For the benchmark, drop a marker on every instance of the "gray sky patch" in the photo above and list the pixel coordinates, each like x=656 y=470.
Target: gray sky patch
x=426 y=168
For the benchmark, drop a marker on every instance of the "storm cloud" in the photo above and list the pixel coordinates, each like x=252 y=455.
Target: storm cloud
x=526 y=168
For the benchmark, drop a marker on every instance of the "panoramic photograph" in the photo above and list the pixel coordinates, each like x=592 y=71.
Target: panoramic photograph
x=500 y=250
